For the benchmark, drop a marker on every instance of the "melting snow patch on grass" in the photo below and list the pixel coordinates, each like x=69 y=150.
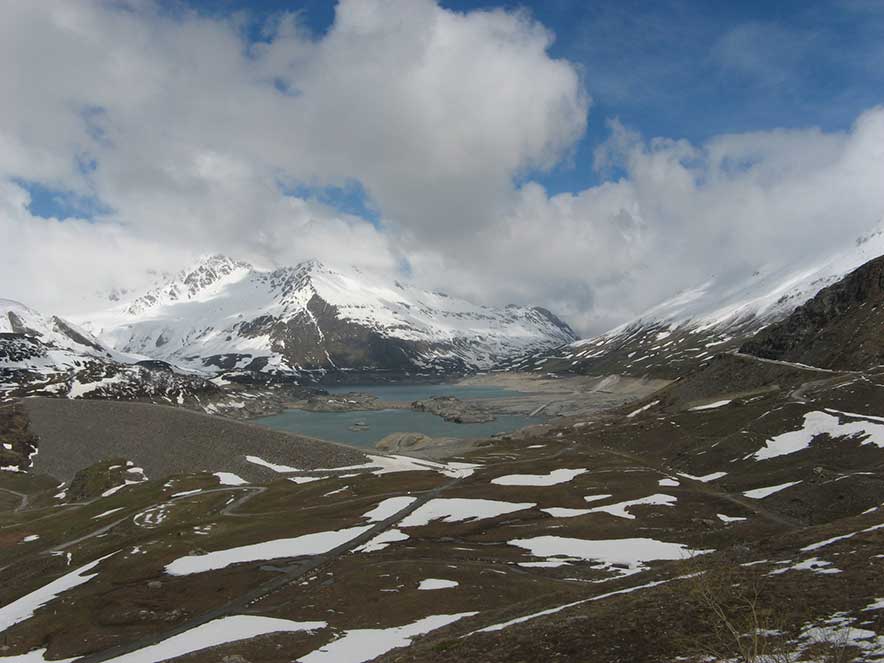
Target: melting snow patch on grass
x=623 y=556
x=366 y=644
x=382 y=540
x=24 y=608
x=643 y=408
x=878 y=604
x=380 y=465
x=151 y=517
x=389 y=507
x=835 y=539
x=729 y=519
x=841 y=630
x=229 y=479
x=551 y=611
x=669 y=483
x=437 y=583
x=276 y=467
x=820 y=423
x=187 y=493
x=217 y=632
x=460 y=509
x=308 y=544
x=126 y=482
x=621 y=508
x=595 y=498
x=706 y=478
x=761 y=493
x=551 y=479
x=812 y=564
x=108 y=512
x=710 y=406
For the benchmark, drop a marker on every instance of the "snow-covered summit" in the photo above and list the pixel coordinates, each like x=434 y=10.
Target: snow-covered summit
x=52 y=331
x=201 y=281
x=223 y=314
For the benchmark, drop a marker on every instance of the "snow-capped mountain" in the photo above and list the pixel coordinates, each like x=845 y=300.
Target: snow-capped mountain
x=35 y=341
x=46 y=355
x=222 y=315
x=687 y=329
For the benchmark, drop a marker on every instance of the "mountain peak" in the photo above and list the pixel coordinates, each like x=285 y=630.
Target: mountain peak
x=216 y=262
x=191 y=282
x=221 y=312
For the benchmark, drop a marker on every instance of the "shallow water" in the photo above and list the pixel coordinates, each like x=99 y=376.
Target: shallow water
x=336 y=425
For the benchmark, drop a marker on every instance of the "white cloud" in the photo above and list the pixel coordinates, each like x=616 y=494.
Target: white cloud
x=190 y=135
x=432 y=111
x=680 y=215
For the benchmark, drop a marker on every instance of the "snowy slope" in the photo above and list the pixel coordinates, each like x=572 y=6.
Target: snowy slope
x=692 y=326
x=225 y=315
x=765 y=296
x=46 y=355
x=16 y=318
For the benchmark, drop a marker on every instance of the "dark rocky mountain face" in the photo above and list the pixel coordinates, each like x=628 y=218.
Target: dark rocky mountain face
x=840 y=328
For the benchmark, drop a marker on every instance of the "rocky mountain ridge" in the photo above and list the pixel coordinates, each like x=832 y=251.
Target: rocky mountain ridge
x=46 y=355
x=682 y=333
x=225 y=316
x=839 y=328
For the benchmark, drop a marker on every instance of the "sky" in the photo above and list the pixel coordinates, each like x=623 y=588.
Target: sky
x=591 y=157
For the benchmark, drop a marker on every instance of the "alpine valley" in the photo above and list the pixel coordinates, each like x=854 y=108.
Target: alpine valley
x=710 y=470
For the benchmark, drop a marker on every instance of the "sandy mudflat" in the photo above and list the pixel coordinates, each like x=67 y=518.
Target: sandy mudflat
x=576 y=395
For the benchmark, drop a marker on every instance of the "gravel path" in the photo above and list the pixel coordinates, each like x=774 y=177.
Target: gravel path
x=166 y=440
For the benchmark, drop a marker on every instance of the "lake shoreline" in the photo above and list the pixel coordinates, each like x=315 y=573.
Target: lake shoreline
x=363 y=415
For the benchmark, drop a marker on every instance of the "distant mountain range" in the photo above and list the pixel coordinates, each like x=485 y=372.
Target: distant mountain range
x=224 y=320
x=224 y=317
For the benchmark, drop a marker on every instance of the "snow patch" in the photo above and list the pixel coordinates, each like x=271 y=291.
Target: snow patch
x=551 y=479
x=229 y=479
x=460 y=509
x=621 y=508
x=360 y=645
x=436 y=583
x=821 y=423
x=308 y=544
x=621 y=556
x=761 y=493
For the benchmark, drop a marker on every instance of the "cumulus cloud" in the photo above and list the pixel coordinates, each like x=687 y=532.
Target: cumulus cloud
x=191 y=136
x=195 y=139
x=683 y=214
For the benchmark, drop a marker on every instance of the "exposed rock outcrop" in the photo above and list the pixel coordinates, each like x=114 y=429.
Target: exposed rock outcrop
x=840 y=328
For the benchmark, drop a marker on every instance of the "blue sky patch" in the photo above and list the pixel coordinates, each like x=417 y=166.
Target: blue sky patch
x=350 y=198
x=49 y=203
x=680 y=68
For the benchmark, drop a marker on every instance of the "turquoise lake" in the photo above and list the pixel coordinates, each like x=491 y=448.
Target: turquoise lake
x=335 y=426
